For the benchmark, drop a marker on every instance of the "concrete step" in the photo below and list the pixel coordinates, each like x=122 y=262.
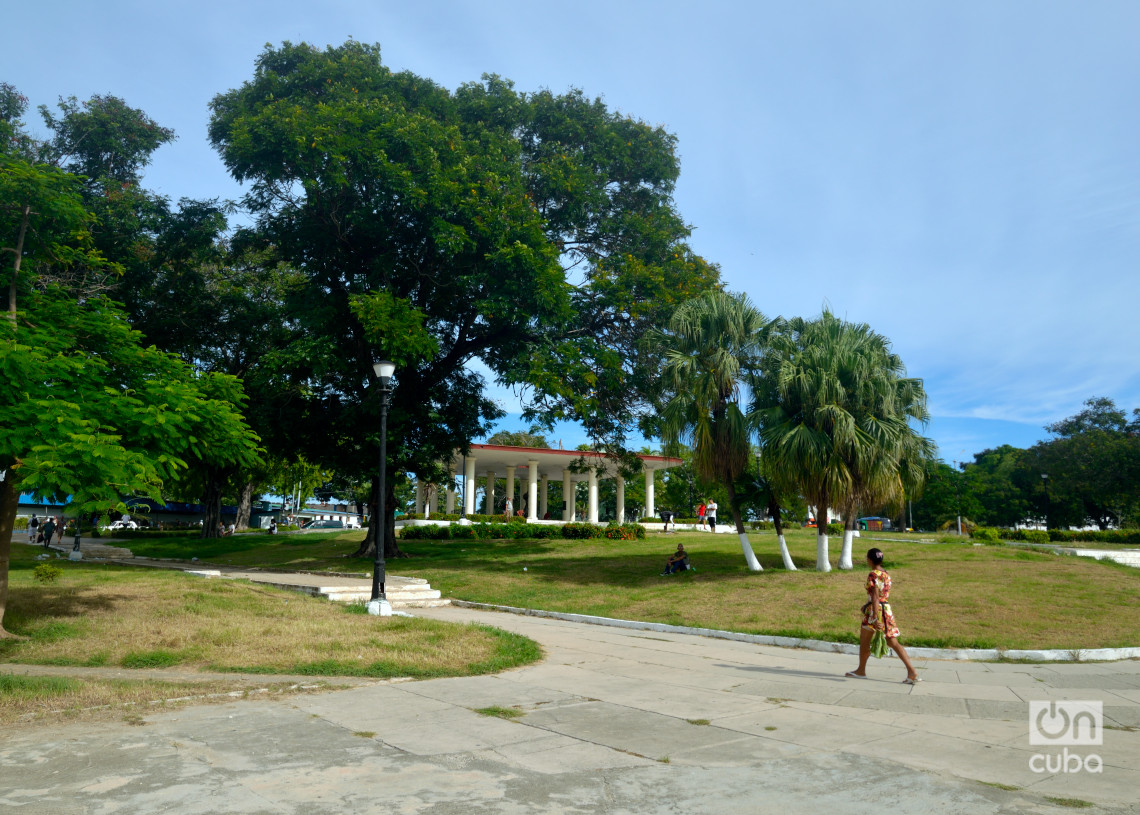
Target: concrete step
x=398 y=597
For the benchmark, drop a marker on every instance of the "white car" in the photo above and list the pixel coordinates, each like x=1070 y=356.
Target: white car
x=123 y=523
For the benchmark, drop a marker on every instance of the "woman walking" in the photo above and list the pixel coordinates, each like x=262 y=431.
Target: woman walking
x=878 y=616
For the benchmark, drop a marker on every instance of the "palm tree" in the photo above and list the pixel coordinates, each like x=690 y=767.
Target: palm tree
x=833 y=412
x=707 y=345
x=884 y=406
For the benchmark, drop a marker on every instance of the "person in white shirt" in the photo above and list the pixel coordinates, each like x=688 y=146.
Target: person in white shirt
x=710 y=513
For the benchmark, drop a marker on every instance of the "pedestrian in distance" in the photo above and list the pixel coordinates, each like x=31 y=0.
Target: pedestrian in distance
x=701 y=515
x=879 y=616
x=710 y=513
x=33 y=528
x=47 y=531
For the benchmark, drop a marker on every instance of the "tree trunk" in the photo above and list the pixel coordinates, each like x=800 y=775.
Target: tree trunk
x=749 y=555
x=12 y=286
x=367 y=548
x=774 y=511
x=245 y=506
x=212 y=504
x=848 y=540
x=9 y=503
x=821 y=563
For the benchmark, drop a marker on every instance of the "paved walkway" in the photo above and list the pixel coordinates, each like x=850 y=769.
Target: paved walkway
x=613 y=721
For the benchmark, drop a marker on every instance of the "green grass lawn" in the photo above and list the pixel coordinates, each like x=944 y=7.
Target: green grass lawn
x=945 y=595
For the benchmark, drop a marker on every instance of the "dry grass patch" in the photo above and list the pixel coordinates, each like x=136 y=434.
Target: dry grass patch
x=119 y=616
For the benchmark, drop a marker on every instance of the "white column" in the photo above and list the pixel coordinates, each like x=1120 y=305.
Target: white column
x=592 y=500
x=469 y=486
x=449 y=501
x=490 y=492
x=532 y=490
x=433 y=499
x=650 y=509
x=511 y=488
x=567 y=497
x=620 y=500
x=544 y=497
x=419 y=496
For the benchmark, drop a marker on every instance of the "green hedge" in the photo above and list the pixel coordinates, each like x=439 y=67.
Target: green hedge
x=989 y=533
x=514 y=530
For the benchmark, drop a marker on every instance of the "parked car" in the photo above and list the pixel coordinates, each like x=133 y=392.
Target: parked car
x=123 y=523
x=324 y=525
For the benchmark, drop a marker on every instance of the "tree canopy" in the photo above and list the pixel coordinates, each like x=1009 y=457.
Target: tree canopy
x=438 y=228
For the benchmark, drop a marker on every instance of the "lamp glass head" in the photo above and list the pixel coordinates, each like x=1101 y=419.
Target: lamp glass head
x=384 y=369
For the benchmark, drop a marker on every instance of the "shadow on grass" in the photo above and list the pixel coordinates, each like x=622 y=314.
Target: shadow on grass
x=547 y=561
x=31 y=602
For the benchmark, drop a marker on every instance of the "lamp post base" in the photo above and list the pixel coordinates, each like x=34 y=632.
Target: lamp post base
x=379 y=608
x=75 y=554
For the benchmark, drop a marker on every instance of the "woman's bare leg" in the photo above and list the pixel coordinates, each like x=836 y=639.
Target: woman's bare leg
x=896 y=646
x=864 y=651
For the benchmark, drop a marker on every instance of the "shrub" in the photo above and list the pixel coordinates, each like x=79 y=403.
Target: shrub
x=47 y=573
x=581 y=531
x=762 y=525
x=462 y=532
x=1035 y=535
x=21 y=523
x=986 y=533
x=835 y=529
x=625 y=532
x=429 y=532
x=442 y=516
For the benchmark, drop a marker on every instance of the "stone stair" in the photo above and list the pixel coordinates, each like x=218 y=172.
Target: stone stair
x=401 y=592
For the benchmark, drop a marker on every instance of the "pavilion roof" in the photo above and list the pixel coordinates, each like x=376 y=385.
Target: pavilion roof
x=551 y=463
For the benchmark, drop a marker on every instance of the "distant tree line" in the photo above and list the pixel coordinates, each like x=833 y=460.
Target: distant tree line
x=1086 y=474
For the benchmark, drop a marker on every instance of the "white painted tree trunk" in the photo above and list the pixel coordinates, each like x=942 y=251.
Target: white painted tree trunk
x=821 y=564
x=845 y=555
x=786 y=555
x=749 y=555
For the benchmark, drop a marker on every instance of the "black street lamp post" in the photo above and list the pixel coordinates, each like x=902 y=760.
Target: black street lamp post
x=1048 y=505
x=378 y=605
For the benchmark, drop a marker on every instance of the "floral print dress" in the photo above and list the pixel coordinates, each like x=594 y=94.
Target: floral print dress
x=879 y=579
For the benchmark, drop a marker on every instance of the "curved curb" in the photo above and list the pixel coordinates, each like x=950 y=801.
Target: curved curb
x=961 y=654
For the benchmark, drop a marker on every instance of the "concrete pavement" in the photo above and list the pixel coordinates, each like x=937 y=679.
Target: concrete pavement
x=612 y=721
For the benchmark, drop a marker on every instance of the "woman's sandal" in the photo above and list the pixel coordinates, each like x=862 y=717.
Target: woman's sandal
x=854 y=675
x=912 y=681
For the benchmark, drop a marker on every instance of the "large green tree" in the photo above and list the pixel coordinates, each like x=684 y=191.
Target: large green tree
x=440 y=228
x=89 y=412
x=1093 y=465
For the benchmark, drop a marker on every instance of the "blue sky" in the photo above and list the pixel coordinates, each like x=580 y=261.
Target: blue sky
x=962 y=176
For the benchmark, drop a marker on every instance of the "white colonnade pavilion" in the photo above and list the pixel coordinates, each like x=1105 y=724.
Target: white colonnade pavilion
x=535 y=468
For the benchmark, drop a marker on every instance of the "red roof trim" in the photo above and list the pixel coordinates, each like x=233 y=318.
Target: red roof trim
x=574 y=453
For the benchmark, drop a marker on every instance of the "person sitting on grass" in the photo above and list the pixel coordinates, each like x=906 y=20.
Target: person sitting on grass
x=678 y=561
